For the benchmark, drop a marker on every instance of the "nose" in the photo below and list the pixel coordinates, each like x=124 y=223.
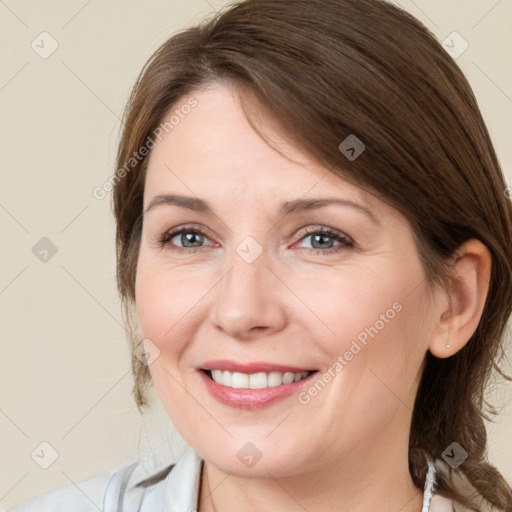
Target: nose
x=249 y=299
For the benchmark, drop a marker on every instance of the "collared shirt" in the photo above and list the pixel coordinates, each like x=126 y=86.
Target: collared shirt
x=171 y=489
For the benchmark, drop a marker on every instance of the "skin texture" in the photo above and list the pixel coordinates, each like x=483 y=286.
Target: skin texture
x=295 y=304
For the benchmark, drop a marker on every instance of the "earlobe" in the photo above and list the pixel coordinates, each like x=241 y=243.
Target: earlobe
x=465 y=296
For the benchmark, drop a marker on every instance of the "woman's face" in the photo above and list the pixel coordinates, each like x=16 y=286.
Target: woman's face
x=254 y=291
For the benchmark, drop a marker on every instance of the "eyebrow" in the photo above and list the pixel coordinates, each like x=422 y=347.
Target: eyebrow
x=288 y=208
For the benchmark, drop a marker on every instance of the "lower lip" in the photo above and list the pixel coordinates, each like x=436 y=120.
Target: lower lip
x=252 y=398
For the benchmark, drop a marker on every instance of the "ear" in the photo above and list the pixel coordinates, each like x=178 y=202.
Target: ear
x=459 y=313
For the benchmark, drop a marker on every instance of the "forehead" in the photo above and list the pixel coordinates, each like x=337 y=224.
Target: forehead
x=213 y=151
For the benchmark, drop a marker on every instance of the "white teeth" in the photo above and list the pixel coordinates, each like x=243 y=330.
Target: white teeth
x=288 y=377
x=258 y=380
x=275 y=379
x=227 y=378
x=239 y=380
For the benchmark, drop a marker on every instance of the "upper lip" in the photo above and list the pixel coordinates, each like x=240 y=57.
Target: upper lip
x=250 y=367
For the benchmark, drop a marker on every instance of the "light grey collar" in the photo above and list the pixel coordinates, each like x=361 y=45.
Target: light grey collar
x=182 y=488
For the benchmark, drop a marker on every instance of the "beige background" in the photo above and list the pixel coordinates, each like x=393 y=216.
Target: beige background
x=65 y=376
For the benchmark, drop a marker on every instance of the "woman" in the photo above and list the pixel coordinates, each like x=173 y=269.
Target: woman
x=346 y=374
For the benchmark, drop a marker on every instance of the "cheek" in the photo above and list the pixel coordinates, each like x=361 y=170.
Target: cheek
x=353 y=304
x=167 y=303
x=374 y=318
x=375 y=354
x=167 y=310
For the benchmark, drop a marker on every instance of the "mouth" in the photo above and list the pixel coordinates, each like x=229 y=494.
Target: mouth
x=259 y=380
x=254 y=385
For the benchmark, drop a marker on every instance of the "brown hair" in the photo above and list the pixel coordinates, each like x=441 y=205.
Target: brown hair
x=328 y=69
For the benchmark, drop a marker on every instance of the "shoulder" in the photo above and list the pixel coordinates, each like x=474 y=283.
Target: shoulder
x=129 y=483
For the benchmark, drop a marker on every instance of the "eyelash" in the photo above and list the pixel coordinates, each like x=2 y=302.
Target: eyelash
x=345 y=241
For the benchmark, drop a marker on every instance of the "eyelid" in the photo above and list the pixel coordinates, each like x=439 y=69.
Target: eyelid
x=344 y=240
x=164 y=238
x=325 y=230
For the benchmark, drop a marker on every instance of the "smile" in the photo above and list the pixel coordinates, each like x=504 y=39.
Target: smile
x=252 y=385
x=260 y=380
